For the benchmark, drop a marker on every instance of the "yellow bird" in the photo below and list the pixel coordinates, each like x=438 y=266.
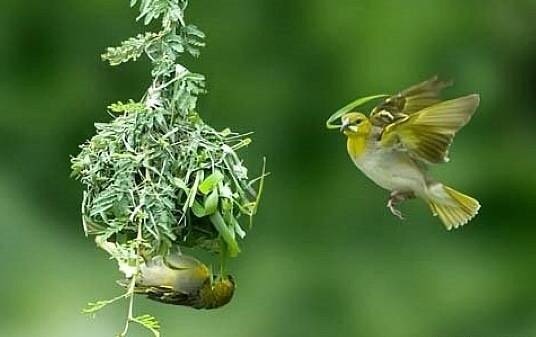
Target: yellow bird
x=402 y=136
x=183 y=280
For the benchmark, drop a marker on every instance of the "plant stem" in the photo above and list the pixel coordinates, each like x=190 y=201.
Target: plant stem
x=132 y=286
x=130 y=295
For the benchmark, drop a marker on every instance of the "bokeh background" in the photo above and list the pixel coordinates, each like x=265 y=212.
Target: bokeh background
x=325 y=257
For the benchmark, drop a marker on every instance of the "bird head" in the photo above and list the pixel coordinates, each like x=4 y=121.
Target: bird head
x=218 y=293
x=355 y=123
x=224 y=288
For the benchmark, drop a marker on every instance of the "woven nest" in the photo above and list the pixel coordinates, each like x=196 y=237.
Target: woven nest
x=174 y=177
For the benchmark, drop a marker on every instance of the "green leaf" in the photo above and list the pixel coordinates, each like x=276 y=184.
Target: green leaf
x=227 y=234
x=150 y=323
x=130 y=49
x=179 y=183
x=131 y=106
x=349 y=107
x=198 y=209
x=193 y=30
x=211 y=202
x=226 y=203
x=211 y=182
x=236 y=226
x=93 y=307
x=191 y=196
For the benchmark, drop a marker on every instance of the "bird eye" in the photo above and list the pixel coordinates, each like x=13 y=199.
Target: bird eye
x=357 y=122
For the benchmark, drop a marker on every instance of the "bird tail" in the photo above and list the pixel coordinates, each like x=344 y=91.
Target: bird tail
x=455 y=209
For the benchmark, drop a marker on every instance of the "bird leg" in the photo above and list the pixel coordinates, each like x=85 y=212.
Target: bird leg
x=395 y=199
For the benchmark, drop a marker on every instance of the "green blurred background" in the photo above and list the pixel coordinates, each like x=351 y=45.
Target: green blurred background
x=325 y=258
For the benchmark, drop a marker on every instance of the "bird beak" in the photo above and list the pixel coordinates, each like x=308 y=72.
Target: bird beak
x=344 y=126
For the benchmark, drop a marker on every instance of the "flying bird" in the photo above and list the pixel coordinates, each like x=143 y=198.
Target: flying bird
x=402 y=136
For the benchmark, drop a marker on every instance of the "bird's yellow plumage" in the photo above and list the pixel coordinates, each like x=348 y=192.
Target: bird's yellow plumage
x=405 y=133
x=359 y=137
x=183 y=280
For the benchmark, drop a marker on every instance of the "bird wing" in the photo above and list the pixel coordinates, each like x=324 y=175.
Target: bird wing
x=428 y=133
x=180 y=261
x=169 y=296
x=188 y=274
x=408 y=101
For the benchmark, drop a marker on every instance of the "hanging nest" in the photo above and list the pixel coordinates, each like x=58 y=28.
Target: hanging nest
x=169 y=174
x=157 y=178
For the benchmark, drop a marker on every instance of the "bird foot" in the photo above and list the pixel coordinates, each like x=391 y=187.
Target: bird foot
x=395 y=199
x=391 y=205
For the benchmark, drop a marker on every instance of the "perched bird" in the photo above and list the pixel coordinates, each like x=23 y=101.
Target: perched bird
x=183 y=280
x=402 y=136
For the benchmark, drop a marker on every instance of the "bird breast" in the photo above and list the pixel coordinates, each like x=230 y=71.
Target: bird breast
x=390 y=169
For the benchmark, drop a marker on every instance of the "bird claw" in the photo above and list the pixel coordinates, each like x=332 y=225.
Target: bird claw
x=395 y=211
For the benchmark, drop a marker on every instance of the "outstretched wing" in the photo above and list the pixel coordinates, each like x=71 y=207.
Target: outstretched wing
x=428 y=133
x=408 y=102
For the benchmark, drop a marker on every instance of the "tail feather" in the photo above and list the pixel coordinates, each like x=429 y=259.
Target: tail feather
x=453 y=208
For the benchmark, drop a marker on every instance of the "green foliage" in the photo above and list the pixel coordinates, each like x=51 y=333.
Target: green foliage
x=171 y=10
x=162 y=48
x=157 y=176
x=130 y=49
x=152 y=167
x=148 y=322
x=94 y=307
